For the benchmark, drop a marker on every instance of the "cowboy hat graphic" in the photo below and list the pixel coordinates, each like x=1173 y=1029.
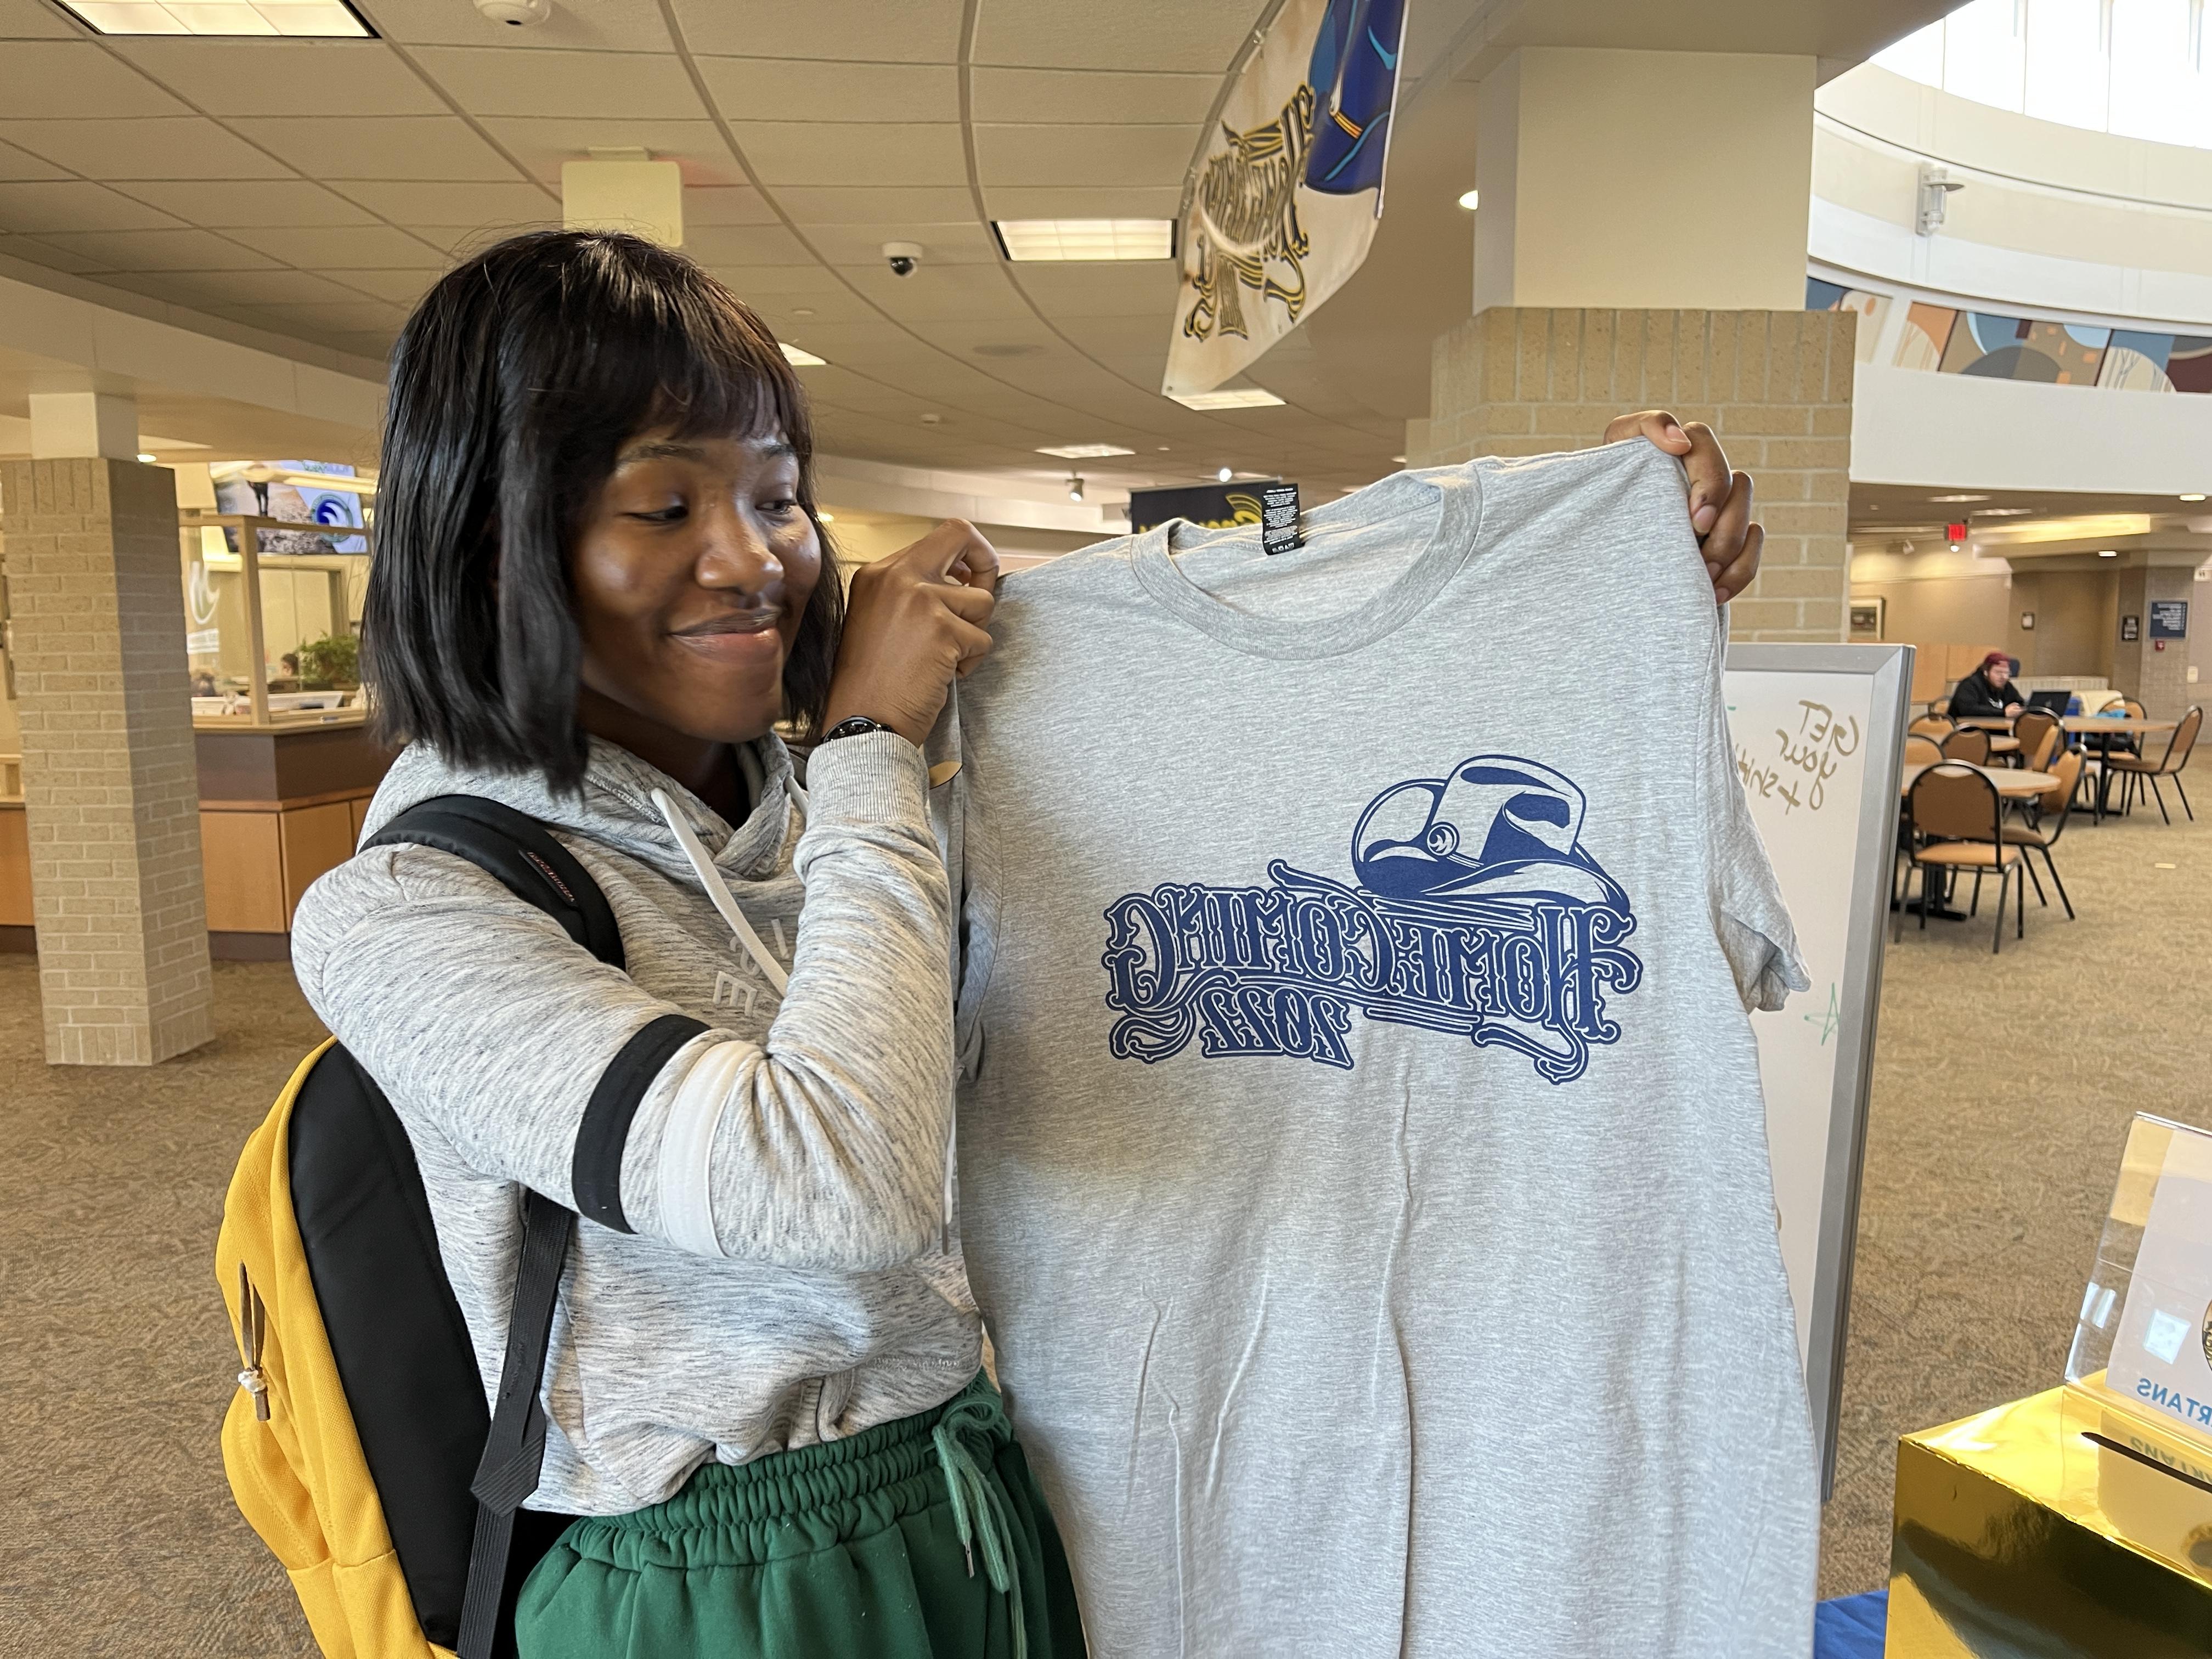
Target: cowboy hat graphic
x=1498 y=827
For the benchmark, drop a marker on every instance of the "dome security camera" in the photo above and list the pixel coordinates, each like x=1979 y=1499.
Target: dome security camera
x=516 y=14
x=904 y=257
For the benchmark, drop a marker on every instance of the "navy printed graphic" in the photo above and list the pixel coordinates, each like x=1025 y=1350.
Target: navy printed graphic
x=1477 y=912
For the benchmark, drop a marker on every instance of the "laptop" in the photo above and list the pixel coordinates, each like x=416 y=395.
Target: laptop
x=2050 y=703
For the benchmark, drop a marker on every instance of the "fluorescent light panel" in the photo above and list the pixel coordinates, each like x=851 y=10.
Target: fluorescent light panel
x=1085 y=452
x=800 y=359
x=324 y=18
x=1087 y=239
x=1243 y=397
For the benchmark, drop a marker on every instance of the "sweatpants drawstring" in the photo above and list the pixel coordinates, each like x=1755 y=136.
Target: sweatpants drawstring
x=977 y=1510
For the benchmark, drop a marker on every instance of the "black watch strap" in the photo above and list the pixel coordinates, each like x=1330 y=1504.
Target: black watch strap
x=858 y=726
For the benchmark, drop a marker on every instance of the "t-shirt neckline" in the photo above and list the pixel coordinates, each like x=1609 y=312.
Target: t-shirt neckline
x=1451 y=543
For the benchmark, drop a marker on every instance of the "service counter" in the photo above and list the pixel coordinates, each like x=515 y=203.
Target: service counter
x=280 y=803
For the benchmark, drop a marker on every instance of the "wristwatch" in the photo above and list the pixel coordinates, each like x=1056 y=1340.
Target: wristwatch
x=858 y=726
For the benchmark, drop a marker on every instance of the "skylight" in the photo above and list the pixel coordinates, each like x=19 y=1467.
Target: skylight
x=1087 y=239
x=1085 y=452
x=2141 y=69
x=1241 y=397
x=324 y=18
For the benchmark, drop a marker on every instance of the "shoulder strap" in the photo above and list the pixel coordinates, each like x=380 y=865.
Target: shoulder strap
x=515 y=849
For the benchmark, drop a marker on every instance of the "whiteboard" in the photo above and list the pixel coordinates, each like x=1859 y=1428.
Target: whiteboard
x=1818 y=731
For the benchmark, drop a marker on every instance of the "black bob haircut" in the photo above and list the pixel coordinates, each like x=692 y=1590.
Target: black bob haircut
x=513 y=386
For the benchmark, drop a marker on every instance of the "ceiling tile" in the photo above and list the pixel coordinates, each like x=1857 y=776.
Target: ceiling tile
x=593 y=85
x=1106 y=290
x=788 y=89
x=399 y=287
x=158 y=147
x=915 y=31
x=727 y=205
x=575 y=24
x=866 y=205
x=543 y=144
x=1083 y=156
x=1128 y=34
x=1005 y=201
x=827 y=303
x=39 y=252
x=162 y=250
x=455 y=205
x=966 y=243
x=835 y=152
x=365 y=248
x=68 y=77
x=20 y=164
x=201 y=289
x=744 y=245
x=284 y=77
x=356 y=314
x=377 y=146
x=941 y=294
x=75 y=204
x=233 y=206
x=33 y=20
x=804 y=280
x=1050 y=96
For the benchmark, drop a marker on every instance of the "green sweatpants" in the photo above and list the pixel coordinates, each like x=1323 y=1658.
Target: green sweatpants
x=925 y=1538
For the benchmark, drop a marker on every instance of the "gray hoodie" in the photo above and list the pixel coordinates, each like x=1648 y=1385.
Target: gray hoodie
x=791 y=1276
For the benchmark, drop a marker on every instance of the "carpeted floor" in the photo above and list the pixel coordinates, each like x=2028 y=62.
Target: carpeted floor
x=2000 y=1091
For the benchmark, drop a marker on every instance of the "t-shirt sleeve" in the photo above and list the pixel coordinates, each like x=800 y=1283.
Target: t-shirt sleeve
x=1749 y=916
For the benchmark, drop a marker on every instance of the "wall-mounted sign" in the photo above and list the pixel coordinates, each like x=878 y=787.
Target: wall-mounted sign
x=2169 y=619
x=2027 y=621
x=2130 y=628
x=1215 y=506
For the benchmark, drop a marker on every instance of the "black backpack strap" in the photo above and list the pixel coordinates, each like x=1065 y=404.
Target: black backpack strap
x=514 y=848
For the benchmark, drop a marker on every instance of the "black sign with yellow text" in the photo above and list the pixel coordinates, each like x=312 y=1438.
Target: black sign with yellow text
x=1215 y=506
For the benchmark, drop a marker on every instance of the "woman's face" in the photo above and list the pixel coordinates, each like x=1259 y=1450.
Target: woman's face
x=694 y=567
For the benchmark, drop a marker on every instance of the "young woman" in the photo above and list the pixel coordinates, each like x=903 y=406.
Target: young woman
x=601 y=581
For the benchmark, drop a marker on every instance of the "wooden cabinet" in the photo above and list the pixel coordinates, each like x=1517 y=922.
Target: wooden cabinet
x=15 y=866
x=244 y=869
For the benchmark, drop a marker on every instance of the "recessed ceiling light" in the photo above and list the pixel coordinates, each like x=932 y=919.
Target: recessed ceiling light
x=1471 y=200
x=1958 y=498
x=1399 y=459
x=1243 y=397
x=228 y=17
x=146 y=457
x=1085 y=452
x=2108 y=553
x=799 y=359
x=1224 y=475
x=2194 y=495
x=1085 y=239
x=1999 y=511
x=826 y=518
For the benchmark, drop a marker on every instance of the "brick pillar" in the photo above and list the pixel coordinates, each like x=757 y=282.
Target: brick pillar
x=2155 y=672
x=110 y=780
x=1775 y=385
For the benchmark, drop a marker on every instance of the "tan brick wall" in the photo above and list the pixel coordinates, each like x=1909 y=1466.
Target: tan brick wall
x=1775 y=385
x=110 y=780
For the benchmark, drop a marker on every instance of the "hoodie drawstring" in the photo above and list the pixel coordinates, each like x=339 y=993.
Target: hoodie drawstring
x=719 y=889
x=978 y=1512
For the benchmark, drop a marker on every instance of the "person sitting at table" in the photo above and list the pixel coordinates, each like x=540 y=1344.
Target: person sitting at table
x=1988 y=693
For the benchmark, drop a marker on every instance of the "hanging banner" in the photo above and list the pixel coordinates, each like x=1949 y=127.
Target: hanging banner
x=1286 y=200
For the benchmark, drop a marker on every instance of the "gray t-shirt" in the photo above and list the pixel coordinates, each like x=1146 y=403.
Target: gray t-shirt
x=1363 y=1166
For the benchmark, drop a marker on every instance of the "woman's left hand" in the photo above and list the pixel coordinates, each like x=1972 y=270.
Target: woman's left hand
x=1720 y=501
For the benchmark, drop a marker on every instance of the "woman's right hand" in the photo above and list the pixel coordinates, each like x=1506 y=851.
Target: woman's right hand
x=914 y=621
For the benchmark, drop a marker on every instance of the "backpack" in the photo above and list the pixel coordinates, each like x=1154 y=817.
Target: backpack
x=359 y=1445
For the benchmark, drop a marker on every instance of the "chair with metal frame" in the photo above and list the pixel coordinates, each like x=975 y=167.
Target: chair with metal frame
x=2050 y=824
x=1921 y=752
x=2135 y=770
x=1934 y=727
x=1957 y=820
x=2039 y=733
x=1969 y=743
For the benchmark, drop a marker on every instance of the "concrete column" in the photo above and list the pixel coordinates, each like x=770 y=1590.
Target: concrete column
x=111 y=783
x=1640 y=243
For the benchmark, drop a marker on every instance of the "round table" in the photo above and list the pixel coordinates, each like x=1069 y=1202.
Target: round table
x=2012 y=782
x=2105 y=726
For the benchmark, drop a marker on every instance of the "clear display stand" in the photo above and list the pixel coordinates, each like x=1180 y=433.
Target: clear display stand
x=2144 y=1337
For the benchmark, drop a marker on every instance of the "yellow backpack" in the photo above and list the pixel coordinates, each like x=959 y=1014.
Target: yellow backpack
x=359 y=1445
